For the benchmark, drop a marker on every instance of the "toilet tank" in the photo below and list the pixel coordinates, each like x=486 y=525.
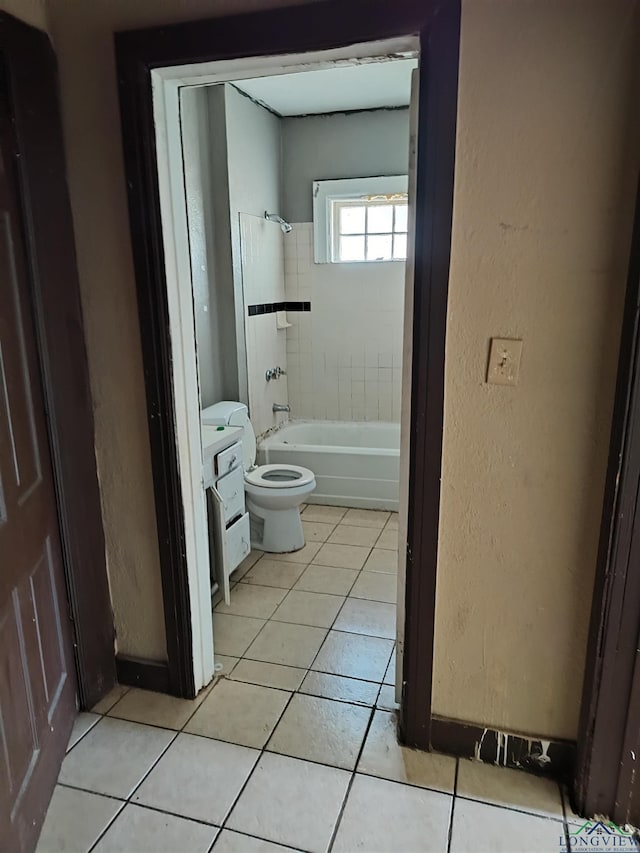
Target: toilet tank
x=225 y=413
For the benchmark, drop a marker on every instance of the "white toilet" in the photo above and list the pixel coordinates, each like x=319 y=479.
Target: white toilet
x=274 y=492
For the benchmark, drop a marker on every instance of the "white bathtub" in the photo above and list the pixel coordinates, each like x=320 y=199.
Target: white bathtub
x=356 y=464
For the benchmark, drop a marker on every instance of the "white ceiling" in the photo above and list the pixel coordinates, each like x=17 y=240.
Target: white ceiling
x=354 y=87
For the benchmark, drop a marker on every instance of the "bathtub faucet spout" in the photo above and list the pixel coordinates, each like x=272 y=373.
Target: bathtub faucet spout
x=281 y=407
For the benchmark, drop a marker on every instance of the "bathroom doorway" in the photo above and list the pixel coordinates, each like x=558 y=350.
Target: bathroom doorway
x=178 y=475
x=297 y=212
x=296 y=198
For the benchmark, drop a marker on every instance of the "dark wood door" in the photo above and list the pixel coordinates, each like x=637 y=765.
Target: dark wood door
x=37 y=680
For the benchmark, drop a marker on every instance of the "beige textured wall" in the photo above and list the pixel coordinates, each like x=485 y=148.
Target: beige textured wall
x=82 y=33
x=545 y=177
x=32 y=12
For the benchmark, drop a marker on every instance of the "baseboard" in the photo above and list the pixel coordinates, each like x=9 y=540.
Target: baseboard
x=555 y=758
x=147 y=674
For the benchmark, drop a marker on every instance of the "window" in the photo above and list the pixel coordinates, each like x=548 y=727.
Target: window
x=370 y=229
x=360 y=220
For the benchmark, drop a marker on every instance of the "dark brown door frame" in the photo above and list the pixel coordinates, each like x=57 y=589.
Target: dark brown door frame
x=310 y=27
x=28 y=79
x=609 y=736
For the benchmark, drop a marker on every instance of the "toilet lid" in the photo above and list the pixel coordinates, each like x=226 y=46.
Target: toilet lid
x=279 y=476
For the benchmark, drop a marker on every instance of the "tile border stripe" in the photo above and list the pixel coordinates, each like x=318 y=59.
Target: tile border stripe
x=272 y=307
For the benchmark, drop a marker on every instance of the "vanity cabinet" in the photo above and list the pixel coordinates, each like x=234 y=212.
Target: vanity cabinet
x=223 y=478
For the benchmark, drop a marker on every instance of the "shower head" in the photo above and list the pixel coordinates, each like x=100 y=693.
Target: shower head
x=273 y=217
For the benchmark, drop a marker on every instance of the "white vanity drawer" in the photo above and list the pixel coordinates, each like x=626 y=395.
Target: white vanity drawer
x=228 y=459
x=237 y=542
x=231 y=491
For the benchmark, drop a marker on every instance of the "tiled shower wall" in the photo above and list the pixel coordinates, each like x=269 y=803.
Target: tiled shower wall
x=344 y=357
x=263 y=285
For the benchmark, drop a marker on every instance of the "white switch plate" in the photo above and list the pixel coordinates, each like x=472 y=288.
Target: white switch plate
x=504 y=361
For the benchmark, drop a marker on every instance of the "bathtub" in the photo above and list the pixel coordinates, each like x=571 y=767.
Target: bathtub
x=356 y=464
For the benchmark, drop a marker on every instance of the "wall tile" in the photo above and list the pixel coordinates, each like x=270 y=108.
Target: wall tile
x=345 y=356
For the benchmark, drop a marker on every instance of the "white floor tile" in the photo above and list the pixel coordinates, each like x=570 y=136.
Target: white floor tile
x=227 y=663
x=327 y=579
x=155 y=709
x=321 y=730
x=274 y=572
x=110 y=699
x=339 y=687
x=291 y=645
x=82 y=724
x=367 y=518
x=506 y=787
x=139 y=830
x=75 y=820
x=480 y=828
x=390 y=674
x=241 y=713
x=268 y=674
x=380 y=560
x=316 y=531
x=291 y=802
x=373 y=618
x=198 y=778
x=376 y=586
x=349 y=534
x=114 y=757
x=327 y=514
x=232 y=635
x=309 y=608
x=388 y=539
x=354 y=655
x=387 y=698
x=302 y=555
x=382 y=816
x=234 y=842
x=341 y=556
x=384 y=756
x=249 y=599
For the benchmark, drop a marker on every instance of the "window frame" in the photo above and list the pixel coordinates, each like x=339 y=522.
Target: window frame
x=326 y=193
x=338 y=205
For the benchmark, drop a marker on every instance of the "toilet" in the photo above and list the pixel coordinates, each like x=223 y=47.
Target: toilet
x=273 y=492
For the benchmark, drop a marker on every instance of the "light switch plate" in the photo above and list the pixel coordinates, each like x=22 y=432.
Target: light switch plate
x=504 y=361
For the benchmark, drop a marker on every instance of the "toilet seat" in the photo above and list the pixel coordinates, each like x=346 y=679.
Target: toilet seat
x=279 y=476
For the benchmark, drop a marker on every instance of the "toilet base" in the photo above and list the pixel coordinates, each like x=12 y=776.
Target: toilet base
x=275 y=531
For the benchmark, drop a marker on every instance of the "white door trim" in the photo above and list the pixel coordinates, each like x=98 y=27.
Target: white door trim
x=166 y=85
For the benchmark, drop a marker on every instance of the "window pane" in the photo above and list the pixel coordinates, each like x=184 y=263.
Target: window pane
x=380 y=218
x=351 y=220
x=401 y=217
x=399 y=246
x=379 y=247
x=352 y=248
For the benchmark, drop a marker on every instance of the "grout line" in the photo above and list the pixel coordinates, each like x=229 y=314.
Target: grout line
x=252 y=771
x=84 y=734
x=173 y=814
x=453 y=805
x=259 y=838
x=128 y=799
x=310 y=668
x=109 y=824
x=350 y=785
x=511 y=808
x=273 y=730
x=89 y=791
x=563 y=798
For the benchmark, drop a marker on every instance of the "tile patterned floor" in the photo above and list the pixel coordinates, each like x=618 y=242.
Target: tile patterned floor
x=294 y=745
